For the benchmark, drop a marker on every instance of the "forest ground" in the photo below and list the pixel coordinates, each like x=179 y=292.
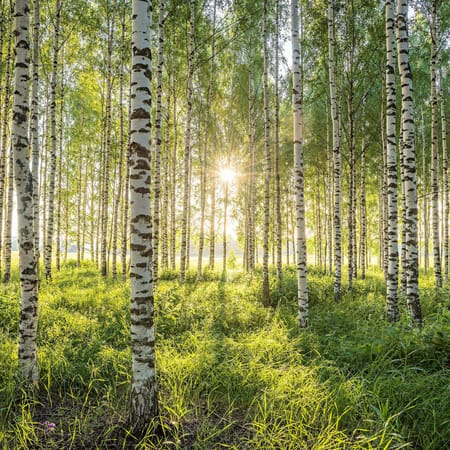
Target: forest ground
x=232 y=374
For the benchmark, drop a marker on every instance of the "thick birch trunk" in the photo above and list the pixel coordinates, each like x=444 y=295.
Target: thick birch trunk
x=143 y=395
x=28 y=365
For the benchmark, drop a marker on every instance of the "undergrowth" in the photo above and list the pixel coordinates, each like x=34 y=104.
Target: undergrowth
x=232 y=374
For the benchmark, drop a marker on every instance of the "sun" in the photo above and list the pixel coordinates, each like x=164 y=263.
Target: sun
x=227 y=174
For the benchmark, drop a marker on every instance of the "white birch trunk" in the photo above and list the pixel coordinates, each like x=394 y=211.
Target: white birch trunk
x=435 y=149
x=336 y=155
x=409 y=166
x=445 y=175
x=48 y=250
x=143 y=396
x=187 y=146
x=302 y=288
x=34 y=125
x=392 y=313
x=158 y=140
x=28 y=365
x=265 y=268
x=278 y=230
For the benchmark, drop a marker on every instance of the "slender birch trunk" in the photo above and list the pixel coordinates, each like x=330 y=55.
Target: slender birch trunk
x=329 y=198
x=165 y=199
x=445 y=175
x=363 y=214
x=209 y=95
x=4 y=130
x=67 y=213
x=265 y=270
x=252 y=137
x=34 y=128
x=434 y=148
x=28 y=365
x=79 y=203
x=277 y=149
x=212 y=225
x=336 y=155
x=187 y=145
x=352 y=150
x=409 y=163
x=189 y=214
x=125 y=213
x=173 y=191
x=158 y=140
x=84 y=207
x=297 y=114
x=143 y=395
x=59 y=179
x=392 y=312
x=119 y=203
x=52 y=172
x=225 y=209
x=426 y=235
x=107 y=163
x=8 y=218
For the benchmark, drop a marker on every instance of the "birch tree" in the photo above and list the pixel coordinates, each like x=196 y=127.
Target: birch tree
x=187 y=144
x=302 y=288
x=48 y=249
x=28 y=364
x=434 y=147
x=409 y=165
x=391 y=158
x=34 y=125
x=277 y=146
x=158 y=140
x=265 y=269
x=143 y=395
x=445 y=176
x=336 y=155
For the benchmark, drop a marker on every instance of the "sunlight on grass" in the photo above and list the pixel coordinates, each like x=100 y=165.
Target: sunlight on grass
x=232 y=374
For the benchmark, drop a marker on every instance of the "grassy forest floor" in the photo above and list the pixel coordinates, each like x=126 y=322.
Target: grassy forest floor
x=232 y=374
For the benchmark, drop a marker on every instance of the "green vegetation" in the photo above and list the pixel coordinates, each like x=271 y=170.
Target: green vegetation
x=232 y=374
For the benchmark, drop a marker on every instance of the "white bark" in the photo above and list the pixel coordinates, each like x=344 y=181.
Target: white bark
x=265 y=268
x=435 y=149
x=391 y=159
x=336 y=155
x=143 y=396
x=28 y=365
x=48 y=250
x=409 y=166
x=297 y=114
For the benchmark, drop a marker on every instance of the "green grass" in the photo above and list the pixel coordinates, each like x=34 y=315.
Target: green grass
x=232 y=374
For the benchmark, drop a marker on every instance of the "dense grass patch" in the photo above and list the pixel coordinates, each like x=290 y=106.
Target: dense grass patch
x=232 y=374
